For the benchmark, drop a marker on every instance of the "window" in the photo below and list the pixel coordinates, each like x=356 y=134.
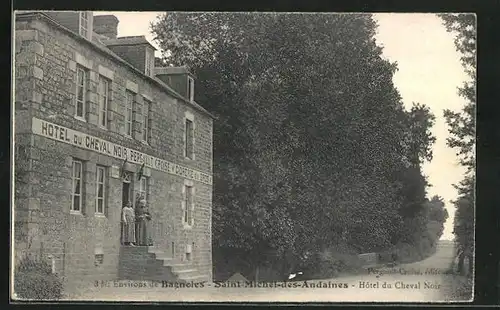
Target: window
x=189 y=139
x=129 y=112
x=190 y=88
x=76 y=190
x=103 y=93
x=149 y=63
x=84 y=24
x=188 y=205
x=81 y=92
x=143 y=188
x=146 y=125
x=98 y=259
x=100 y=190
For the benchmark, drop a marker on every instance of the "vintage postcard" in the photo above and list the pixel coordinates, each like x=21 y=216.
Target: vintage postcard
x=215 y=157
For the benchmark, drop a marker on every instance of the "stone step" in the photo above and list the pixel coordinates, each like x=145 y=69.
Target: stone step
x=186 y=273
x=163 y=256
x=173 y=263
x=195 y=278
x=180 y=268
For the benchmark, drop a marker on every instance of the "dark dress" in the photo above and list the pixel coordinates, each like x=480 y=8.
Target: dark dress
x=143 y=226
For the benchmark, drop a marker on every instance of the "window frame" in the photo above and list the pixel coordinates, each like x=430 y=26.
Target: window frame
x=83 y=16
x=73 y=188
x=143 y=189
x=188 y=205
x=84 y=87
x=190 y=88
x=129 y=112
x=104 y=190
x=188 y=153
x=149 y=62
x=103 y=108
x=146 y=121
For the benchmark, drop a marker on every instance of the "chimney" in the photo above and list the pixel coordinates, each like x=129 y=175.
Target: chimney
x=136 y=50
x=179 y=78
x=106 y=25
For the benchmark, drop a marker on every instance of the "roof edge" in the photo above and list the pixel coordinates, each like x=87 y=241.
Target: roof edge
x=28 y=15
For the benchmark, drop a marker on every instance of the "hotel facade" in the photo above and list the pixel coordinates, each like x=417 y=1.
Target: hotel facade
x=96 y=125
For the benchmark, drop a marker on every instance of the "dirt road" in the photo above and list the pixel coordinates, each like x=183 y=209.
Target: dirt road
x=424 y=281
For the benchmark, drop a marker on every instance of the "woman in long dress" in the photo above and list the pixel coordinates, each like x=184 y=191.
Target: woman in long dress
x=143 y=223
x=128 y=224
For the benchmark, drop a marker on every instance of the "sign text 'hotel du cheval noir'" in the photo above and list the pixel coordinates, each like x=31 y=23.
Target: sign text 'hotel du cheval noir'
x=82 y=140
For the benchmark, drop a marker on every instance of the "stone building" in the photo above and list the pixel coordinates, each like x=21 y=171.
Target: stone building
x=96 y=125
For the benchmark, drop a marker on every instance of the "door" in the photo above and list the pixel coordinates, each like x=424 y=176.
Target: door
x=127 y=189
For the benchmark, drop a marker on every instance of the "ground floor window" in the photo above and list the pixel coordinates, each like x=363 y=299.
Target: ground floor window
x=100 y=190
x=143 y=188
x=77 y=186
x=188 y=205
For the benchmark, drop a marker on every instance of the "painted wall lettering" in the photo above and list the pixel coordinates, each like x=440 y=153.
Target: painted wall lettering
x=82 y=140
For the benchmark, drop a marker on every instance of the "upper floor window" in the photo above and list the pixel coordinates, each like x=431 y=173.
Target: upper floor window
x=84 y=24
x=190 y=89
x=103 y=92
x=77 y=186
x=189 y=139
x=146 y=125
x=149 y=63
x=100 y=190
x=81 y=92
x=129 y=112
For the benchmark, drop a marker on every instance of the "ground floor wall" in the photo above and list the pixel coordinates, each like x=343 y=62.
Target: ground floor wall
x=84 y=245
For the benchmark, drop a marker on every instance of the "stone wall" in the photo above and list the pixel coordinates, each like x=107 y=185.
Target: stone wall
x=45 y=63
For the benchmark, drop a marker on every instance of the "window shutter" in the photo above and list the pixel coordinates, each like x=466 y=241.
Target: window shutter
x=191 y=222
x=193 y=135
x=183 y=203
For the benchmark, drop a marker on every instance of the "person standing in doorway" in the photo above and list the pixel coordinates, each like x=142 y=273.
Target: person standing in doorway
x=128 y=224
x=143 y=223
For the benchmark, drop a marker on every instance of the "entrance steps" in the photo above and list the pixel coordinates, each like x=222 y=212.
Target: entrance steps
x=151 y=263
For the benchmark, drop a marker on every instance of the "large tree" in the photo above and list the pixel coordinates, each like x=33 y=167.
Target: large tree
x=463 y=131
x=312 y=146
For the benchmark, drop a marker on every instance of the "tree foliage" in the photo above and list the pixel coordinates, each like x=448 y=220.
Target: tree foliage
x=312 y=144
x=461 y=126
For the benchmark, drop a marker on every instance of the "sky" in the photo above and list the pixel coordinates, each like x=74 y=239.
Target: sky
x=429 y=73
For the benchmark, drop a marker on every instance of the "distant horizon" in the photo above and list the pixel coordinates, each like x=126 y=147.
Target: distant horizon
x=429 y=72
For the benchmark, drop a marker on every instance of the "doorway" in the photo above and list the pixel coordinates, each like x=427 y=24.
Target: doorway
x=127 y=188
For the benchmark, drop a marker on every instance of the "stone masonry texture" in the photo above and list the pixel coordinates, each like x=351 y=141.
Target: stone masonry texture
x=46 y=59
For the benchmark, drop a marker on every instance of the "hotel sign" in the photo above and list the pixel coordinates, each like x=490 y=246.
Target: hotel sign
x=82 y=140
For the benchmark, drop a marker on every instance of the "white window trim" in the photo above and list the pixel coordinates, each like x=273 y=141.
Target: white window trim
x=131 y=105
x=80 y=18
x=190 y=89
x=149 y=62
x=145 y=190
x=188 y=183
x=189 y=116
x=146 y=120
x=99 y=95
x=84 y=107
x=72 y=208
x=103 y=213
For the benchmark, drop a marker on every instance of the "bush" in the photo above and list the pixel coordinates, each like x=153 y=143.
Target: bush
x=330 y=264
x=33 y=279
